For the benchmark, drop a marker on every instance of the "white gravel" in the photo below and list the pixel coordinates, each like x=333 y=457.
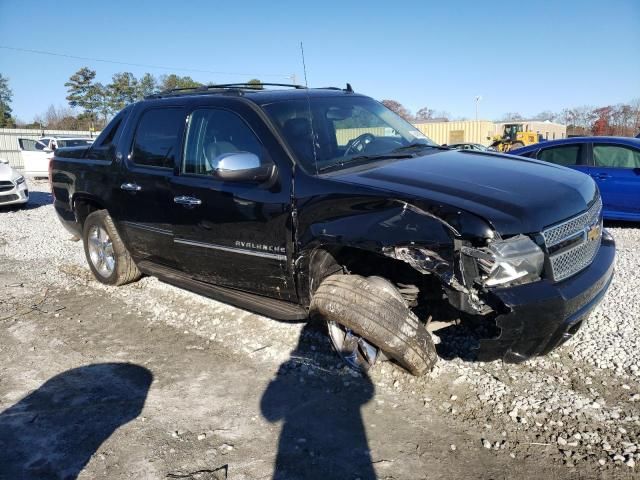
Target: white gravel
x=579 y=404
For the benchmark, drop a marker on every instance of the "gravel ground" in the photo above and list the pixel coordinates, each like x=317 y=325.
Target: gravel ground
x=578 y=407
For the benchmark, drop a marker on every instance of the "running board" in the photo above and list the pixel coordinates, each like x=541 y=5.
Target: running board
x=270 y=307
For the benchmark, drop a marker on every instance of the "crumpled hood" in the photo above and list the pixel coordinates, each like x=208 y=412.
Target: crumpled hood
x=514 y=194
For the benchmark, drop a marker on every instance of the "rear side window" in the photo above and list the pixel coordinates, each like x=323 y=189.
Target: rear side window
x=212 y=134
x=157 y=136
x=566 y=155
x=615 y=156
x=104 y=147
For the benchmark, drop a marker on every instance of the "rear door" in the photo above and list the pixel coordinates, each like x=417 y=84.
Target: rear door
x=236 y=234
x=616 y=169
x=572 y=155
x=35 y=156
x=143 y=196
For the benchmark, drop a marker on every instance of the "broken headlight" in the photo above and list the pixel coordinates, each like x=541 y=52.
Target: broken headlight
x=517 y=259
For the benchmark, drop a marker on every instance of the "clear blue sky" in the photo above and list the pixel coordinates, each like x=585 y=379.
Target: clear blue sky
x=520 y=56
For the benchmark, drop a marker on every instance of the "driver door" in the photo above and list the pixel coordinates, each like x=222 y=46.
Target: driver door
x=231 y=233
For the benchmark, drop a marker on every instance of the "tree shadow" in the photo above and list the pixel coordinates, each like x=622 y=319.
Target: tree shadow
x=323 y=435
x=54 y=431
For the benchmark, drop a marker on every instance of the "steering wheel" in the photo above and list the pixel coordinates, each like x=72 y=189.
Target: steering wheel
x=359 y=143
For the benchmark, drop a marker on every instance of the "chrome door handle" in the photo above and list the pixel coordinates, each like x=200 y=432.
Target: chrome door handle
x=188 y=201
x=130 y=187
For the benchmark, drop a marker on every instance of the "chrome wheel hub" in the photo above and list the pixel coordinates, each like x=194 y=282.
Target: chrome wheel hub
x=357 y=352
x=101 y=252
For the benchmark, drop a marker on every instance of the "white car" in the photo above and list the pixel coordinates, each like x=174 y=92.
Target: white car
x=37 y=153
x=13 y=186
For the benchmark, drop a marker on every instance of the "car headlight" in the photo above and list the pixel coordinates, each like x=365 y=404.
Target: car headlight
x=19 y=180
x=515 y=260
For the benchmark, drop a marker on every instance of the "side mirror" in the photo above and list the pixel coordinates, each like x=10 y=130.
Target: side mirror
x=4 y=161
x=242 y=167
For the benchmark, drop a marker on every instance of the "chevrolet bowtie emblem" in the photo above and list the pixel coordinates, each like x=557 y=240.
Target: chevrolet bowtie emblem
x=594 y=232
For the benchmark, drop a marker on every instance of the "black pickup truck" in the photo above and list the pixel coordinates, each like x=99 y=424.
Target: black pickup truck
x=321 y=203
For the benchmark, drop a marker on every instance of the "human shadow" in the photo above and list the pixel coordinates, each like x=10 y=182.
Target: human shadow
x=323 y=435
x=54 y=431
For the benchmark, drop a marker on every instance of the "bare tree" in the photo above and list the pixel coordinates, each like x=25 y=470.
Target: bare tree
x=398 y=108
x=424 y=114
x=512 y=117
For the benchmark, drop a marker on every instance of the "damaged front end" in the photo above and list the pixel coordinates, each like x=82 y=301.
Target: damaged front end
x=502 y=282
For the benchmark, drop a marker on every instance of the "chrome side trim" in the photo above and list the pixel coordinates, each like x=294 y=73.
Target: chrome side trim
x=275 y=256
x=148 y=228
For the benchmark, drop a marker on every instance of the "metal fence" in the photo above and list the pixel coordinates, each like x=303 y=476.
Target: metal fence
x=9 y=141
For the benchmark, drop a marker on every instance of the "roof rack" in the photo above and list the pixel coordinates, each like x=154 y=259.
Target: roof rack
x=237 y=88
x=223 y=86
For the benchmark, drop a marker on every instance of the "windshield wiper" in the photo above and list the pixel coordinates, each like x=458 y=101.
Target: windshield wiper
x=383 y=156
x=416 y=145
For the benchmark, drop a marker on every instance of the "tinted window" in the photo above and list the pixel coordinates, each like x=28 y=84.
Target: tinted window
x=30 y=144
x=563 y=155
x=73 y=143
x=615 y=156
x=212 y=134
x=104 y=146
x=157 y=136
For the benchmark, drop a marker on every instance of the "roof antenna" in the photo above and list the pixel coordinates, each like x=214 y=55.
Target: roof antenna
x=306 y=85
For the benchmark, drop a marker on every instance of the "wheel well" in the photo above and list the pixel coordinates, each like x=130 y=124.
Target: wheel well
x=415 y=286
x=83 y=207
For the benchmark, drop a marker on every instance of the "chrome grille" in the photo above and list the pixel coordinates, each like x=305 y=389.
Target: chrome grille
x=583 y=238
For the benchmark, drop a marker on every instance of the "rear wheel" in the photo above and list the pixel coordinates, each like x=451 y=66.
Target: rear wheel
x=515 y=145
x=368 y=320
x=106 y=254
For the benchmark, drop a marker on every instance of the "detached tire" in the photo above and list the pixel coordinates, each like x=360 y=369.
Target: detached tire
x=374 y=309
x=108 y=258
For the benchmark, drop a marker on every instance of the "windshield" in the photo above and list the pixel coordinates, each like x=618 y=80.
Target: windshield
x=345 y=129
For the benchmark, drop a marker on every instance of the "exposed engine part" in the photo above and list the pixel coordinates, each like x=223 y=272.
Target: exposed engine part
x=409 y=293
x=465 y=298
x=421 y=259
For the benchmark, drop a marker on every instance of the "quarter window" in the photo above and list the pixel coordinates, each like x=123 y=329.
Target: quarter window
x=213 y=134
x=566 y=155
x=615 y=156
x=104 y=146
x=157 y=137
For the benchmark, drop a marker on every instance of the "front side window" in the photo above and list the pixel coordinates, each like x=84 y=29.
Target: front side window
x=565 y=155
x=31 y=145
x=157 y=136
x=212 y=134
x=615 y=156
x=331 y=132
x=42 y=144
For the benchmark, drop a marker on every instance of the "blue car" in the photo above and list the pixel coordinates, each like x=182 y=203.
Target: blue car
x=613 y=162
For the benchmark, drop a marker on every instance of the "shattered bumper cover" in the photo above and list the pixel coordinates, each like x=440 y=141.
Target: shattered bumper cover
x=541 y=316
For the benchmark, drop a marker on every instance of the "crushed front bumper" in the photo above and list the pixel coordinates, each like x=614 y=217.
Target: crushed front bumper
x=540 y=316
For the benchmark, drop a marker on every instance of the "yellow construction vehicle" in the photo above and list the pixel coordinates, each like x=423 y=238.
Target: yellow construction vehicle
x=513 y=136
